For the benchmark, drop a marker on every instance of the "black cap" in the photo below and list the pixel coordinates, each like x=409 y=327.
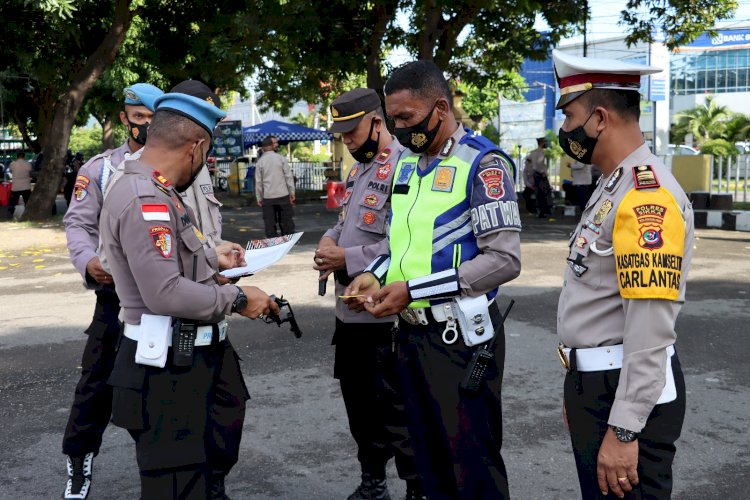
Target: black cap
x=349 y=108
x=199 y=90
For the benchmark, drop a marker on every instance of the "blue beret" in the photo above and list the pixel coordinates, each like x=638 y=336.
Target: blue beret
x=142 y=94
x=204 y=112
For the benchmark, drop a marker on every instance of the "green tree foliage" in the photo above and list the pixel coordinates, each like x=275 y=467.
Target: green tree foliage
x=718 y=147
x=706 y=121
x=738 y=128
x=681 y=21
x=86 y=140
x=482 y=101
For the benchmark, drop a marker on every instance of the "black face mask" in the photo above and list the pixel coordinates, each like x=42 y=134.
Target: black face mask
x=367 y=151
x=417 y=137
x=577 y=144
x=138 y=132
x=193 y=175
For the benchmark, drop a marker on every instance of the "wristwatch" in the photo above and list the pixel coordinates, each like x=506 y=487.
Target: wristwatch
x=624 y=435
x=240 y=303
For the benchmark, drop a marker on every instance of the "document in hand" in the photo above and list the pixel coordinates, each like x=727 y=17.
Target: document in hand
x=260 y=254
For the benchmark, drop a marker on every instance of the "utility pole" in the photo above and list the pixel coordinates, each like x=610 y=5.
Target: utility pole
x=585 y=22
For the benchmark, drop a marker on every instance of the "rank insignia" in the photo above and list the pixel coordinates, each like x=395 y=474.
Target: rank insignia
x=155 y=211
x=492 y=178
x=161 y=236
x=384 y=155
x=347 y=194
x=645 y=177
x=576 y=265
x=443 y=180
x=384 y=171
x=447 y=146
x=405 y=173
x=368 y=218
x=161 y=179
x=371 y=200
x=601 y=214
x=353 y=172
x=199 y=234
x=613 y=180
x=581 y=242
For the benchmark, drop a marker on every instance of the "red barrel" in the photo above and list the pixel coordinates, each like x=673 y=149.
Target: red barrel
x=335 y=194
x=5 y=188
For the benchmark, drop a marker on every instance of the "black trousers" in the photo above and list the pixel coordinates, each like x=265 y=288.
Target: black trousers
x=456 y=437
x=14 y=197
x=186 y=421
x=92 y=402
x=588 y=401
x=543 y=192
x=366 y=366
x=278 y=210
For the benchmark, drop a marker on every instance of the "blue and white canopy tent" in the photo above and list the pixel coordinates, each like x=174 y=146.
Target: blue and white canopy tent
x=286 y=132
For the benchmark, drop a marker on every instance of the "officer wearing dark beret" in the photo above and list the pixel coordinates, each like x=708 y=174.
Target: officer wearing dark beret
x=365 y=362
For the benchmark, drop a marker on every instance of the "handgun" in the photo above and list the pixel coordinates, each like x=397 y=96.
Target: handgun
x=286 y=315
x=482 y=358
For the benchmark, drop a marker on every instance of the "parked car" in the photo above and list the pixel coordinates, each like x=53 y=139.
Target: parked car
x=682 y=150
x=743 y=147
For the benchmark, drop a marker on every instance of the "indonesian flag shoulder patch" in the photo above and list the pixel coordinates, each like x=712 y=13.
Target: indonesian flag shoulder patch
x=155 y=211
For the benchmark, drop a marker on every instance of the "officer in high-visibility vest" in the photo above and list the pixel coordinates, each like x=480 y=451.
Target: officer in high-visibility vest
x=454 y=239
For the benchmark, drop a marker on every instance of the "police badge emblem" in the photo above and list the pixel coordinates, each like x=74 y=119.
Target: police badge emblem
x=492 y=179
x=161 y=236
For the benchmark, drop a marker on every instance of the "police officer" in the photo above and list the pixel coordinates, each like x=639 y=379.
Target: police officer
x=536 y=162
x=454 y=238
x=622 y=291
x=365 y=361
x=166 y=278
x=92 y=403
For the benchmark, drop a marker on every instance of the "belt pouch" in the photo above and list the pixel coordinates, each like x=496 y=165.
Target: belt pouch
x=474 y=319
x=153 y=340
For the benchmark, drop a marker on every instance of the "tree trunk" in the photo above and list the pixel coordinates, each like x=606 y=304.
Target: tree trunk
x=108 y=134
x=383 y=13
x=430 y=33
x=59 y=120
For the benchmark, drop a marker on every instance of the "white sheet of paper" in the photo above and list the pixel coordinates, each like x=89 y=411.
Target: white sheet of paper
x=274 y=249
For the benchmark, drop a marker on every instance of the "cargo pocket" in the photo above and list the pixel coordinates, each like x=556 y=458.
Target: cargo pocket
x=192 y=246
x=372 y=216
x=128 y=382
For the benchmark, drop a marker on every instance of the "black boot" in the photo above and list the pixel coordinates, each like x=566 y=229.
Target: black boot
x=414 y=490
x=371 y=488
x=216 y=486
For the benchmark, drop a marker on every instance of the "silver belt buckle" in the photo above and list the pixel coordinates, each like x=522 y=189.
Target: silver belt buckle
x=409 y=316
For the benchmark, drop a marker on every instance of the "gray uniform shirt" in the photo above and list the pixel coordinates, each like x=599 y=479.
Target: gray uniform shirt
x=154 y=248
x=363 y=221
x=635 y=242
x=273 y=177
x=537 y=161
x=82 y=217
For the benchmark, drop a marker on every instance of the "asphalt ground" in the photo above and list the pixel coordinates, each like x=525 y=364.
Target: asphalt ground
x=296 y=443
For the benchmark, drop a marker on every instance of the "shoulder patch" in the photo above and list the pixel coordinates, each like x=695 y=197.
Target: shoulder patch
x=644 y=177
x=161 y=236
x=613 y=180
x=155 y=211
x=649 y=244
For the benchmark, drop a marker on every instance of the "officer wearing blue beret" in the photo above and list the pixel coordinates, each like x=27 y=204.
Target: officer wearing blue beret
x=92 y=402
x=175 y=356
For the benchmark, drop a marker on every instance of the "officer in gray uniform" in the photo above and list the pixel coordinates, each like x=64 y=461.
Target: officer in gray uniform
x=92 y=402
x=365 y=356
x=624 y=286
x=174 y=347
x=454 y=238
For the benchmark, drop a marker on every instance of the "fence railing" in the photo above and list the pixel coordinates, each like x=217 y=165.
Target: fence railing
x=309 y=176
x=731 y=175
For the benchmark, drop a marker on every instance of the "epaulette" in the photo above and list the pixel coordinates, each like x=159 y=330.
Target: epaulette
x=144 y=187
x=644 y=177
